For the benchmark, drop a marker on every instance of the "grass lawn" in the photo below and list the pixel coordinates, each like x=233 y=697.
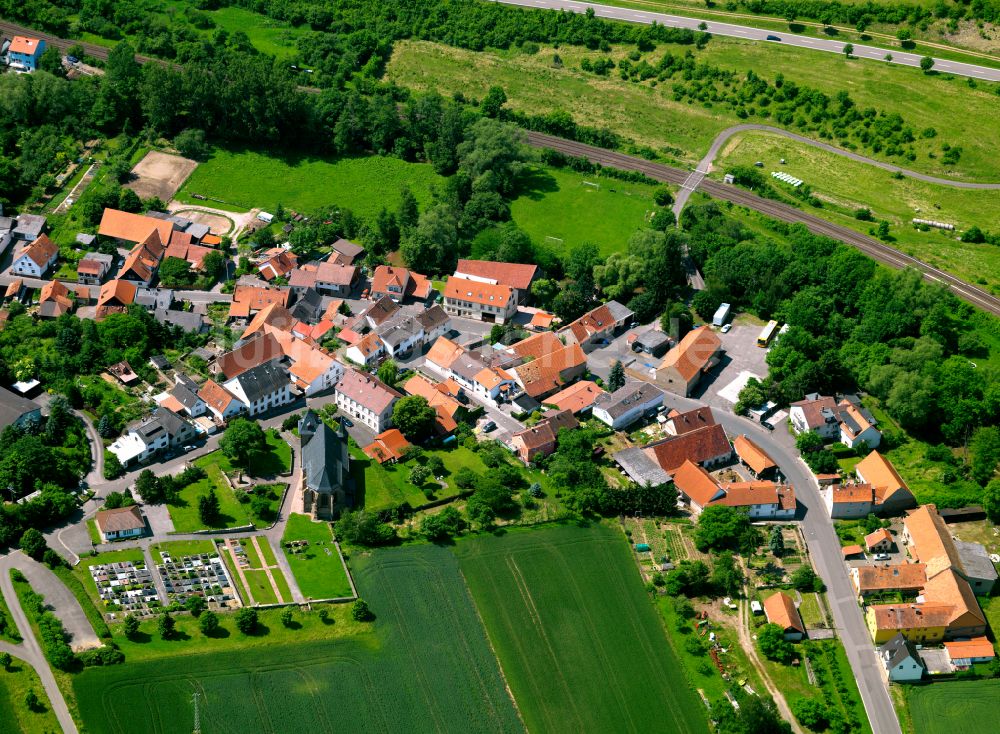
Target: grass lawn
x=95 y=536
x=180 y=548
x=579 y=641
x=248 y=179
x=555 y=203
x=650 y=116
x=401 y=673
x=318 y=569
x=809 y=610
x=845 y=186
x=267 y=35
x=15 y=716
x=940 y=707
x=184 y=513
x=260 y=587
x=9 y=632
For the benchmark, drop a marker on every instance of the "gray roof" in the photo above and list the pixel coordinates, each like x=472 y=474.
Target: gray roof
x=197 y=230
x=13 y=407
x=346 y=247
x=308 y=306
x=185 y=381
x=624 y=399
x=398 y=329
x=432 y=318
x=170 y=421
x=467 y=366
x=184 y=319
x=619 y=312
x=897 y=650
x=652 y=339
x=159 y=361
x=262 y=380
x=975 y=560
x=88 y=239
x=325 y=461
x=641 y=467
x=154 y=297
x=29 y=226
x=185 y=396
x=6 y=223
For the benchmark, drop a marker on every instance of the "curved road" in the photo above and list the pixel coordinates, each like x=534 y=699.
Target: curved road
x=871 y=247
x=749 y=33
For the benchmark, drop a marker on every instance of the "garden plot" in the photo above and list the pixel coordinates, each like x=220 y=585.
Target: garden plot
x=126 y=586
x=202 y=574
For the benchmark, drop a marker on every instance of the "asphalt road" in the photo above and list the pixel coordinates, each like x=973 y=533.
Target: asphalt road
x=861 y=51
x=873 y=248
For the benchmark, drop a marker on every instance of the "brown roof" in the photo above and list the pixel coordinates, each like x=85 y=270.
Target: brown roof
x=745 y=494
x=133 y=227
x=274 y=315
x=278 y=265
x=119 y=519
x=813 y=410
x=444 y=352
x=547 y=372
x=947 y=587
x=248 y=355
x=977 y=647
x=144 y=258
x=216 y=396
x=932 y=543
x=852 y=550
x=692 y=419
x=780 y=610
x=537 y=345
x=699 y=446
x=342 y=275
x=41 y=251
x=473 y=291
x=116 y=293
x=350 y=250
x=873 y=539
x=370 y=344
x=881 y=474
x=910 y=616
x=14 y=287
x=897 y=577
x=90 y=266
x=853 y=493
x=576 y=397
x=693 y=353
x=389 y=445
x=696 y=483
x=515 y=275
x=542 y=320
x=248 y=298
x=753 y=455
x=593 y=322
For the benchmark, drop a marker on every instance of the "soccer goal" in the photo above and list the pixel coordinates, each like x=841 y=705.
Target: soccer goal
x=592 y=184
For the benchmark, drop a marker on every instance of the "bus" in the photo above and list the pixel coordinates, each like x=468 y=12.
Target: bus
x=767 y=334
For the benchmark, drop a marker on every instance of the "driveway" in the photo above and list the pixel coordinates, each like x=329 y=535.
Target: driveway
x=60 y=599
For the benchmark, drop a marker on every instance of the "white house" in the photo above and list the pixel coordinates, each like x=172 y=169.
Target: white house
x=846 y=421
x=261 y=388
x=313 y=370
x=145 y=439
x=627 y=404
x=368 y=350
x=367 y=399
x=36 y=258
x=901 y=660
x=221 y=403
x=121 y=523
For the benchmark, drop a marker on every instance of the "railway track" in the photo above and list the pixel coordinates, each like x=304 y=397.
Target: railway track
x=873 y=248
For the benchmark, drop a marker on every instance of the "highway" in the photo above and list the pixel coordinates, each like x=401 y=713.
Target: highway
x=749 y=33
x=873 y=248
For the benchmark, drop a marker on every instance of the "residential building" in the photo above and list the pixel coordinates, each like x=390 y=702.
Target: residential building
x=367 y=351
x=470 y=370
x=115 y=296
x=577 y=398
x=183 y=247
x=471 y=299
x=879 y=541
x=249 y=299
x=327 y=485
x=929 y=541
x=131 y=229
x=221 y=403
x=375 y=315
x=552 y=365
x=762 y=500
x=892 y=496
x=36 y=258
x=849 y=501
x=308 y=306
x=440 y=398
x=598 y=326
x=93 y=268
x=367 y=399
x=18 y=411
x=753 y=457
x=25 y=53
x=192 y=323
x=517 y=276
x=143 y=260
x=541 y=438
x=400 y=284
x=541 y=321
x=401 y=335
x=29 y=227
x=261 y=388
x=121 y=523
x=780 y=610
x=346 y=252
x=260 y=348
x=153 y=299
x=312 y=370
x=388 y=447
x=55 y=299
x=335 y=280
x=965 y=653
x=920 y=623
x=628 y=404
x=904 y=578
x=147 y=438
x=682 y=367
x=678 y=424
x=16 y=291
x=183 y=398
x=708 y=446
x=901 y=660
x=435 y=323
x=278 y=264
x=846 y=421
x=273 y=319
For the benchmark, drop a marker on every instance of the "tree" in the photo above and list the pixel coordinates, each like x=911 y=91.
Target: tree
x=106 y=427
x=751 y=396
x=176 y=272
x=926 y=64
x=31 y=700
x=5 y=660
x=51 y=61
x=33 y=544
x=388 y=372
x=196 y=605
x=882 y=231
x=495 y=99
x=435 y=465
x=243 y=440
x=776 y=542
x=213 y=266
x=209 y=509
x=721 y=527
x=811 y=713
x=984 y=453
x=286 y=617
x=804 y=579
x=726 y=575
x=808 y=441
x=364 y=528
x=408 y=213
x=848 y=49
x=149 y=487
x=130 y=625
x=190 y=143
x=360 y=612
x=419 y=474
x=616 y=377
x=772 y=643
x=208 y=623
x=246 y=620
x=991 y=500
x=166 y=626
x=414 y=417
x=443 y=525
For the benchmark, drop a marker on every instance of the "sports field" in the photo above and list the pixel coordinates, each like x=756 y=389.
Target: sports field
x=580 y=644
x=249 y=179
x=425 y=666
x=943 y=707
x=561 y=209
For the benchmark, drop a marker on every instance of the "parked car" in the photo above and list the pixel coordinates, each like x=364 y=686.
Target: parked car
x=773 y=38
x=726 y=327
x=881 y=556
x=489 y=426
x=348 y=422
x=73 y=59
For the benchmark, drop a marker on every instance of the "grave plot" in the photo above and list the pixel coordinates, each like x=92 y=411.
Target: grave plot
x=126 y=586
x=200 y=574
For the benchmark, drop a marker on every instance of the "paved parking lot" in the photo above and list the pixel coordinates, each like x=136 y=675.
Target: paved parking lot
x=741 y=355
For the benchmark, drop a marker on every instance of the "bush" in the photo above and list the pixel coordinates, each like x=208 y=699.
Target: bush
x=774 y=646
x=811 y=713
x=360 y=611
x=246 y=620
x=101 y=656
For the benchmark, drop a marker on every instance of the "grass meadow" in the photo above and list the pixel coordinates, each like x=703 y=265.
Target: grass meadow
x=559 y=210
x=424 y=664
x=857 y=185
x=318 y=568
x=650 y=116
x=248 y=179
x=15 y=716
x=579 y=642
x=940 y=707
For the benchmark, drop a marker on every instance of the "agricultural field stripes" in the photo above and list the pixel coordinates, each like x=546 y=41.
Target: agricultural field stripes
x=937 y=708
x=580 y=644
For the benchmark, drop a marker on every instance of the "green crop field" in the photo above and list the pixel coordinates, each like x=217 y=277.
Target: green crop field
x=317 y=567
x=425 y=665
x=649 y=115
x=580 y=644
x=942 y=707
x=857 y=185
x=560 y=210
x=249 y=179
x=15 y=716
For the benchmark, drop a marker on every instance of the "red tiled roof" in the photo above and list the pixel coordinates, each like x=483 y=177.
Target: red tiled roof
x=780 y=610
x=461 y=289
x=515 y=275
x=576 y=397
x=389 y=445
x=692 y=420
x=753 y=455
x=23 y=45
x=699 y=446
x=133 y=227
x=41 y=251
x=252 y=353
x=693 y=353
